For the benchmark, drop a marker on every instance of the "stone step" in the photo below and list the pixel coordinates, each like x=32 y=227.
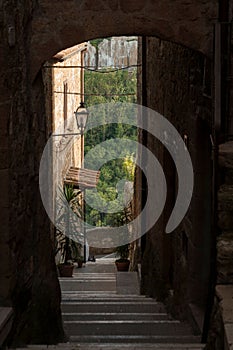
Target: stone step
x=127 y=283
x=70 y=295
x=126 y=327
x=114 y=316
x=113 y=346
x=89 y=280
x=98 y=318
x=112 y=306
x=89 y=276
x=88 y=285
x=102 y=297
x=139 y=339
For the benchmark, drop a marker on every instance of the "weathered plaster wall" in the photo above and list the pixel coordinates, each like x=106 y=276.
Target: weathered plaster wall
x=178 y=86
x=63 y=80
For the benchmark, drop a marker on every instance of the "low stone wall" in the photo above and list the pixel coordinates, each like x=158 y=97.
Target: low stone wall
x=221 y=329
x=221 y=332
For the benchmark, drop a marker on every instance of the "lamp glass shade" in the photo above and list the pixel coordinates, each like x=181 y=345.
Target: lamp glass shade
x=81 y=115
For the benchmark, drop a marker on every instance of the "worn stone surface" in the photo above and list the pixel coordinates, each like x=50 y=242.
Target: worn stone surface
x=225 y=296
x=28 y=275
x=188 y=23
x=225 y=220
x=174 y=261
x=224 y=258
x=113 y=52
x=228 y=334
x=226 y=155
x=225 y=198
x=228 y=176
x=216 y=333
x=43 y=28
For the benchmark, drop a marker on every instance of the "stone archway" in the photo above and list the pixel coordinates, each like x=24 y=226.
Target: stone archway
x=53 y=29
x=32 y=33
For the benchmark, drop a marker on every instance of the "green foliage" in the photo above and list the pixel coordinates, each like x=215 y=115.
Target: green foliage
x=67 y=247
x=96 y=42
x=122 y=252
x=109 y=87
x=117 y=86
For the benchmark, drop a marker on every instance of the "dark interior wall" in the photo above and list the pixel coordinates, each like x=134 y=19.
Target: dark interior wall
x=29 y=281
x=178 y=82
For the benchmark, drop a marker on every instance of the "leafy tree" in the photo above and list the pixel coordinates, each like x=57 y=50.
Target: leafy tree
x=119 y=86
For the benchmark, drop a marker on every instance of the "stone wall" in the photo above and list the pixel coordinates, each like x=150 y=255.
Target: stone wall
x=63 y=80
x=178 y=86
x=32 y=32
x=221 y=330
x=112 y=52
x=188 y=23
x=27 y=257
x=225 y=216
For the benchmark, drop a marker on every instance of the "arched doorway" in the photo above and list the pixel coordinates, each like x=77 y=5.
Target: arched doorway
x=48 y=33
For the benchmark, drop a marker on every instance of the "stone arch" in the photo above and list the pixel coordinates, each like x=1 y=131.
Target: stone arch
x=72 y=22
x=43 y=31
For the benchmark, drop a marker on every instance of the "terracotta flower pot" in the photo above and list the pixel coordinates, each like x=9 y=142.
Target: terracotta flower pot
x=122 y=264
x=66 y=270
x=80 y=263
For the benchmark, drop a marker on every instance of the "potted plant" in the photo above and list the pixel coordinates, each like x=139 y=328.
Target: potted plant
x=79 y=261
x=65 y=267
x=123 y=262
x=67 y=248
x=78 y=258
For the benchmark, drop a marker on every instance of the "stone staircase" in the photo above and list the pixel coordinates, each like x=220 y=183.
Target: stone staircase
x=96 y=315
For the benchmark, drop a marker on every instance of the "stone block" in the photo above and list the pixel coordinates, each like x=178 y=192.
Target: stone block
x=4 y=181
x=225 y=295
x=225 y=198
x=132 y=5
x=225 y=220
x=224 y=258
x=229 y=333
x=113 y=4
x=229 y=176
x=4 y=224
x=4 y=158
x=6 y=318
x=90 y=5
x=226 y=155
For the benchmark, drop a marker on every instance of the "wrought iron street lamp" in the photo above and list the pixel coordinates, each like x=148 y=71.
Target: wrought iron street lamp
x=81 y=115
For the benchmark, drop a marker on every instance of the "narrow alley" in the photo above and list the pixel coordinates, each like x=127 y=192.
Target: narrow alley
x=102 y=309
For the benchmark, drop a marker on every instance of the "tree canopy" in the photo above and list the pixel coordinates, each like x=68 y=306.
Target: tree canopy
x=119 y=86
